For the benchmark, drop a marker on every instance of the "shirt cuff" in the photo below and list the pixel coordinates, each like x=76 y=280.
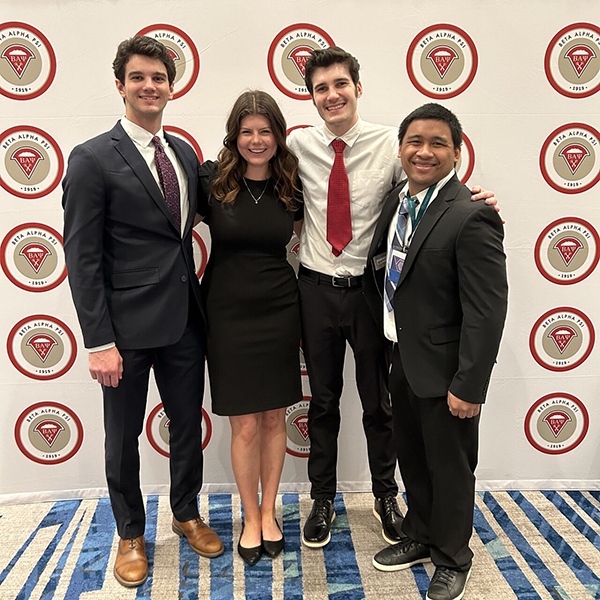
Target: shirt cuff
x=103 y=347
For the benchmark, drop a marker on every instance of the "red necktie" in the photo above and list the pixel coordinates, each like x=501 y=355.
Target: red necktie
x=168 y=180
x=339 y=223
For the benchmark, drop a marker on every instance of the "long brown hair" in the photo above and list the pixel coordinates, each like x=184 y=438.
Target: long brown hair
x=284 y=165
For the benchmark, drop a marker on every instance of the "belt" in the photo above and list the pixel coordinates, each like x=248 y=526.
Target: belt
x=332 y=280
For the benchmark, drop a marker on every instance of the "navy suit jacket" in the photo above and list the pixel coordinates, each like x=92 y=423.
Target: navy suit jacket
x=130 y=270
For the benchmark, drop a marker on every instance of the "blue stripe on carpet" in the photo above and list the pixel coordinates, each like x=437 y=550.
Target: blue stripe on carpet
x=574 y=518
x=48 y=592
x=145 y=591
x=90 y=570
x=343 y=576
x=292 y=562
x=585 y=504
x=521 y=544
x=585 y=575
x=221 y=568
x=421 y=579
x=60 y=514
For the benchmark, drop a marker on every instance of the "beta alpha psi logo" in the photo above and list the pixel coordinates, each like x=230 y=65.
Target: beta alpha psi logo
x=566 y=251
x=556 y=423
x=572 y=60
x=32 y=257
x=27 y=61
x=442 y=61
x=48 y=433
x=31 y=162
x=296 y=420
x=287 y=56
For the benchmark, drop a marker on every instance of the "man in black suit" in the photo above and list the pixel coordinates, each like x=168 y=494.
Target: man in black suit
x=129 y=201
x=436 y=283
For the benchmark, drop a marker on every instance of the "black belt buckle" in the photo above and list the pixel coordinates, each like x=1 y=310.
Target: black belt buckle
x=345 y=280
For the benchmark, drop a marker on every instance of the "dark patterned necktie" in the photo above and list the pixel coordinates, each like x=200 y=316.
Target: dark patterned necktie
x=168 y=180
x=339 y=223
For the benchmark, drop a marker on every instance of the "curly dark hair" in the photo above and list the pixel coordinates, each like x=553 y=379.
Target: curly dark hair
x=284 y=165
x=146 y=46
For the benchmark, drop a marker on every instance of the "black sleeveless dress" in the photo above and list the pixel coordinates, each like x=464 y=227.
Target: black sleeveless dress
x=251 y=301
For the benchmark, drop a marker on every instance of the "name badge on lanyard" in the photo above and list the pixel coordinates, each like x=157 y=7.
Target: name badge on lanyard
x=397 y=258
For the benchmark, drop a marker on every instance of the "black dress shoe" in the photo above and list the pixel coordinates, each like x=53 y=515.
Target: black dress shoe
x=403 y=555
x=316 y=532
x=447 y=584
x=273 y=549
x=387 y=512
x=250 y=555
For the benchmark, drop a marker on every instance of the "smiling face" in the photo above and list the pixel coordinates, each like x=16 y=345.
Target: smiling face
x=256 y=145
x=427 y=153
x=335 y=96
x=146 y=91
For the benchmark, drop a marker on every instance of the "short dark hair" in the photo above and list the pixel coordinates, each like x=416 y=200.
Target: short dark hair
x=146 y=46
x=327 y=57
x=432 y=110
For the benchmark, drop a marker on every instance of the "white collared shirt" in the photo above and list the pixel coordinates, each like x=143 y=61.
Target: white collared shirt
x=373 y=167
x=142 y=140
x=389 y=320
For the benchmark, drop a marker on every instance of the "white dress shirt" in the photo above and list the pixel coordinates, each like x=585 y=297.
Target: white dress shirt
x=142 y=139
x=373 y=167
x=389 y=320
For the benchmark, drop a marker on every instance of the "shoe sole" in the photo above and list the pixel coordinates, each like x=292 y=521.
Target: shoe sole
x=129 y=584
x=385 y=537
x=427 y=597
x=180 y=533
x=319 y=544
x=419 y=561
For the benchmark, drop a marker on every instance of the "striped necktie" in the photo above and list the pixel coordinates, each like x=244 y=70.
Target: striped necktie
x=394 y=266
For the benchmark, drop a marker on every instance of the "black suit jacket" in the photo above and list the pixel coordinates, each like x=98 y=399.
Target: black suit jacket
x=451 y=300
x=130 y=270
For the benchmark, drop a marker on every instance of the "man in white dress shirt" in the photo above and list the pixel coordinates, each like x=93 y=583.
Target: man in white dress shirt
x=334 y=310
x=130 y=201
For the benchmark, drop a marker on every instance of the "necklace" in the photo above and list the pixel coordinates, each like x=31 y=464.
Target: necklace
x=250 y=191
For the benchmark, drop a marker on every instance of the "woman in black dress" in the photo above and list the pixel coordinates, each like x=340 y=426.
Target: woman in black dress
x=251 y=203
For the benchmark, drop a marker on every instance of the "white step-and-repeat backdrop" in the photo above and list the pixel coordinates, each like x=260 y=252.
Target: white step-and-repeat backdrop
x=524 y=77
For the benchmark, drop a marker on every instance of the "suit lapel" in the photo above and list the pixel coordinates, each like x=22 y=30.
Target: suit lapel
x=432 y=215
x=390 y=206
x=192 y=179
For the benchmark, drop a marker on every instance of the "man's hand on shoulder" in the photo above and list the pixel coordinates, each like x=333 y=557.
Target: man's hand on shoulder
x=460 y=408
x=106 y=367
x=480 y=194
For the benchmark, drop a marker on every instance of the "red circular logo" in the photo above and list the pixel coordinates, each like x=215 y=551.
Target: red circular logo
x=27 y=61
x=296 y=421
x=33 y=257
x=200 y=253
x=288 y=53
x=442 y=61
x=187 y=137
x=557 y=423
x=49 y=433
x=572 y=60
x=41 y=347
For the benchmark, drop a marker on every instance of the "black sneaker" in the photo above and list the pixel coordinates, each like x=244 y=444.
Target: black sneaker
x=401 y=556
x=387 y=512
x=316 y=532
x=447 y=584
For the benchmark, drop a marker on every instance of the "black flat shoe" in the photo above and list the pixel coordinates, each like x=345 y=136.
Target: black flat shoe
x=250 y=555
x=273 y=549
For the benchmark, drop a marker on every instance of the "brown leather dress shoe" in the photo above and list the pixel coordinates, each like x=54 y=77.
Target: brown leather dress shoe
x=131 y=565
x=202 y=539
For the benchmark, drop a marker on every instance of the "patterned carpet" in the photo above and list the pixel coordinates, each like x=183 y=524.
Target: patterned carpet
x=527 y=545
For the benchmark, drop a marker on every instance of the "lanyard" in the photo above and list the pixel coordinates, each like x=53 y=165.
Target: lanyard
x=415 y=220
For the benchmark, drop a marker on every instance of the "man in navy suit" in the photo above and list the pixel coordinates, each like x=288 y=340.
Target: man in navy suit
x=436 y=285
x=129 y=201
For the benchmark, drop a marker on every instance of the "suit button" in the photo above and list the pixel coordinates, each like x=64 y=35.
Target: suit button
x=184 y=278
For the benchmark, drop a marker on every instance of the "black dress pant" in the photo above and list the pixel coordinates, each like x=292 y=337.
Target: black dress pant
x=437 y=453
x=179 y=374
x=332 y=316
